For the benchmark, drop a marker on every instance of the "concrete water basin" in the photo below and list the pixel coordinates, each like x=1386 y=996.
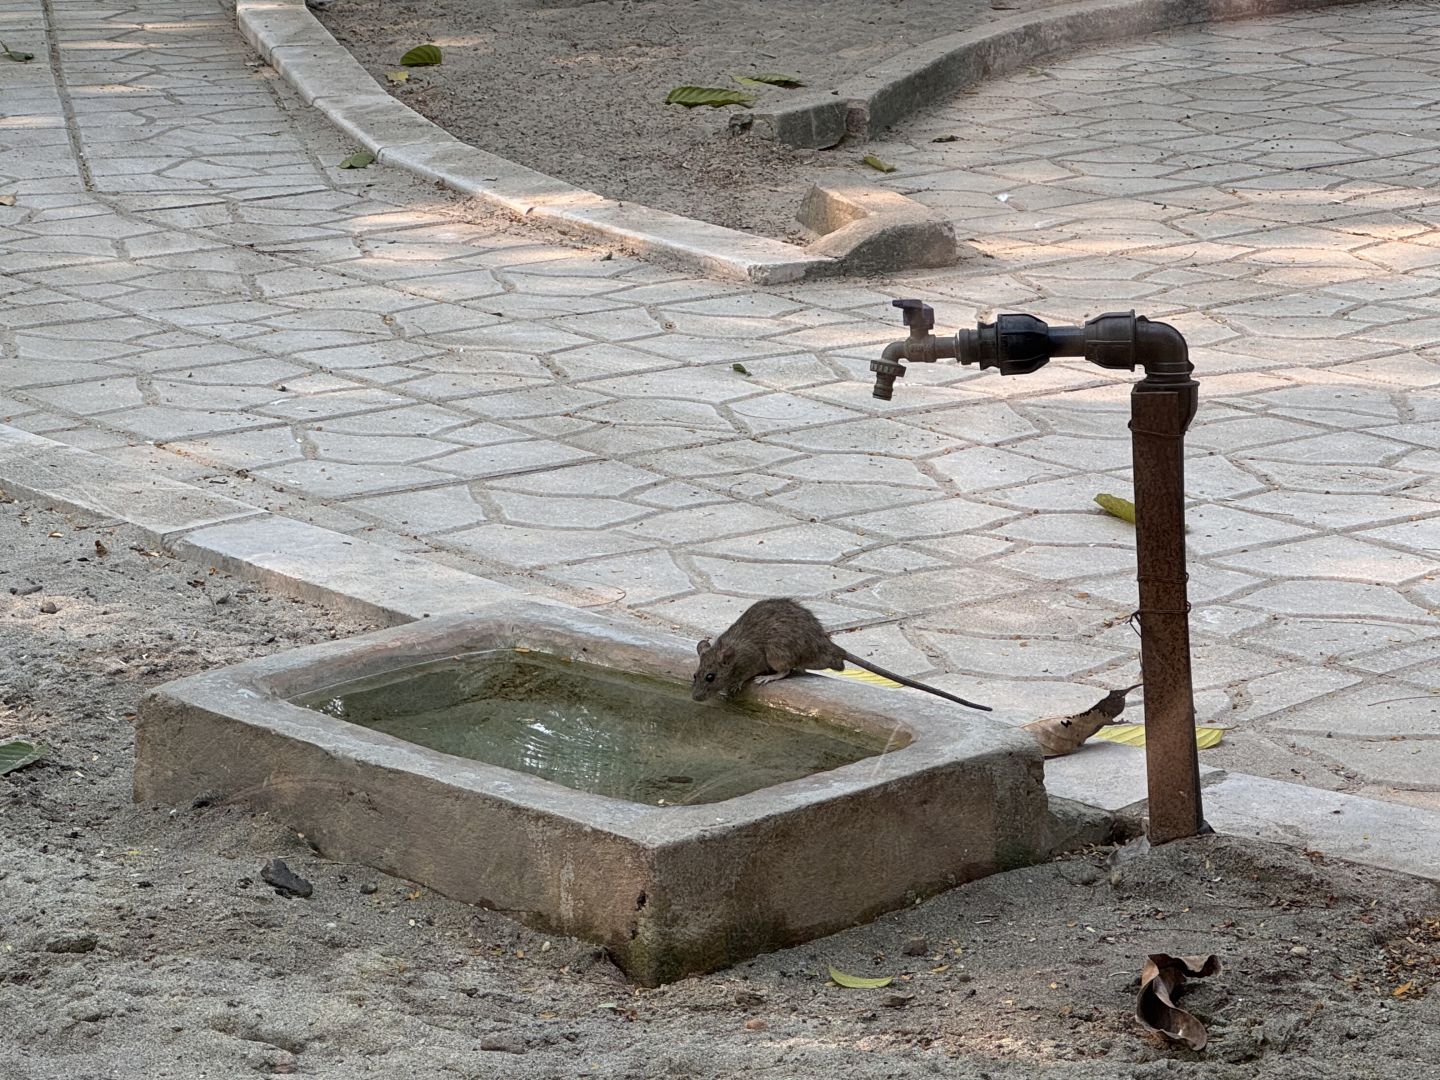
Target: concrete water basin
x=548 y=763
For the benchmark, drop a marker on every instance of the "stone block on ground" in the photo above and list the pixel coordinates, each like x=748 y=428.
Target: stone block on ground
x=871 y=230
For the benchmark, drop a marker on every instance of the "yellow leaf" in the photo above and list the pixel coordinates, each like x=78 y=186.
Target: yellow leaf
x=861 y=675
x=7 y=200
x=397 y=76
x=1403 y=989
x=857 y=982
x=1206 y=738
x=1124 y=509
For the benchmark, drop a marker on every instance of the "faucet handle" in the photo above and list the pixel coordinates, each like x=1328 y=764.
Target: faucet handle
x=918 y=315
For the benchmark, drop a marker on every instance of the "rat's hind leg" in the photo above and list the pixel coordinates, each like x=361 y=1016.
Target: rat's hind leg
x=761 y=680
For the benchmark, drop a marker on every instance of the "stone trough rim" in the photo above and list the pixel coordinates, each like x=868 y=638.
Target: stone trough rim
x=257 y=693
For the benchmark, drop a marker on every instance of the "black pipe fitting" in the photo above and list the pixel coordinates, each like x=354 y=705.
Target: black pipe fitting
x=1013 y=344
x=1020 y=344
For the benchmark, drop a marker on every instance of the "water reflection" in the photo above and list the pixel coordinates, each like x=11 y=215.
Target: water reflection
x=592 y=728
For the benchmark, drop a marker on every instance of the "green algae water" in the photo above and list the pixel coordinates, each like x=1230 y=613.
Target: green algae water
x=593 y=728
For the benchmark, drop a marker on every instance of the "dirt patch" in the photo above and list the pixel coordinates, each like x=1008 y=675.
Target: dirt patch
x=140 y=941
x=577 y=90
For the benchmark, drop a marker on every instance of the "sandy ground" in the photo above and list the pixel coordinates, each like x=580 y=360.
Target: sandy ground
x=138 y=941
x=577 y=89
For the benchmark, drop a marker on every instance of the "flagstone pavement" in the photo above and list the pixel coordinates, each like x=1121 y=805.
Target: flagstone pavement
x=190 y=284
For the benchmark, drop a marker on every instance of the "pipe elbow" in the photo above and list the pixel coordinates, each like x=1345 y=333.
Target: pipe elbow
x=1161 y=349
x=895 y=351
x=1123 y=340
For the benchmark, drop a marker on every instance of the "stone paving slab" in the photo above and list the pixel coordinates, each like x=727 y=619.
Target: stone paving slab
x=1340 y=826
x=203 y=292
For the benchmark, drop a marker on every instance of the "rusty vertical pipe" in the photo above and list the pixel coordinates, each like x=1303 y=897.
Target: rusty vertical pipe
x=1162 y=405
x=1161 y=409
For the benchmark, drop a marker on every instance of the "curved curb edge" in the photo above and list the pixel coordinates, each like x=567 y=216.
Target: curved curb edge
x=915 y=79
x=325 y=75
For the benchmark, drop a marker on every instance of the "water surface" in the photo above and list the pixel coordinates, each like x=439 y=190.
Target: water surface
x=594 y=728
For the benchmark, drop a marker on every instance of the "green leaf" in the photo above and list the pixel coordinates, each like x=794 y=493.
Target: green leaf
x=361 y=159
x=875 y=163
x=1124 y=509
x=740 y=368
x=396 y=77
x=16 y=754
x=18 y=57
x=715 y=96
x=770 y=78
x=856 y=982
x=422 y=56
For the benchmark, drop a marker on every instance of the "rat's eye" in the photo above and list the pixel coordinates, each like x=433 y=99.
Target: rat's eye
x=710 y=677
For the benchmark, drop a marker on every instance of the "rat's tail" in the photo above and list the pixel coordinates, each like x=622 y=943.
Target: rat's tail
x=903 y=681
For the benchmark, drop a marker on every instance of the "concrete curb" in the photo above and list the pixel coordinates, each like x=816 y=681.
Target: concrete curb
x=326 y=76
x=287 y=556
x=292 y=558
x=908 y=83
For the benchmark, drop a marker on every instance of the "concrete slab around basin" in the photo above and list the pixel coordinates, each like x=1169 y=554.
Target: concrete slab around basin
x=669 y=890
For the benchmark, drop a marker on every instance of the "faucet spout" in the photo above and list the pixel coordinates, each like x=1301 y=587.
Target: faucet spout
x=921 y=347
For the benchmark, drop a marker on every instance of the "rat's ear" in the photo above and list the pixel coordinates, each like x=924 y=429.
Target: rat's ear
x=703 y=644
x=725 y=654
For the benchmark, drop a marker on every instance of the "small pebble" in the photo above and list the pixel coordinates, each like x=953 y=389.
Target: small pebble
x=897 y=1001
x=284 y=880
x=72 y=943
x=25 y=590
x=369 y=888
x=48 y=608
x=506 y=1044
x=1299 y=950
x=916 y=946
x=756 y=1024
x=749 y=997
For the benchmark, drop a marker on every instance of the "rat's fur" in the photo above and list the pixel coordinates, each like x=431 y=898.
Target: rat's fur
x=771 y=639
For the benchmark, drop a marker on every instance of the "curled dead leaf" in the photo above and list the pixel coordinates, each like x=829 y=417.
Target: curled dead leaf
x=1061 y=735
x=1160 y=981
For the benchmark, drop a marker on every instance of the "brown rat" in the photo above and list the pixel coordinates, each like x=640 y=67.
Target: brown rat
x=770 y=640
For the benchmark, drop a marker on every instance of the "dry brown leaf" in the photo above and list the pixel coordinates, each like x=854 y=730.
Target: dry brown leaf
x=1160 y=980
x=1061 y=735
